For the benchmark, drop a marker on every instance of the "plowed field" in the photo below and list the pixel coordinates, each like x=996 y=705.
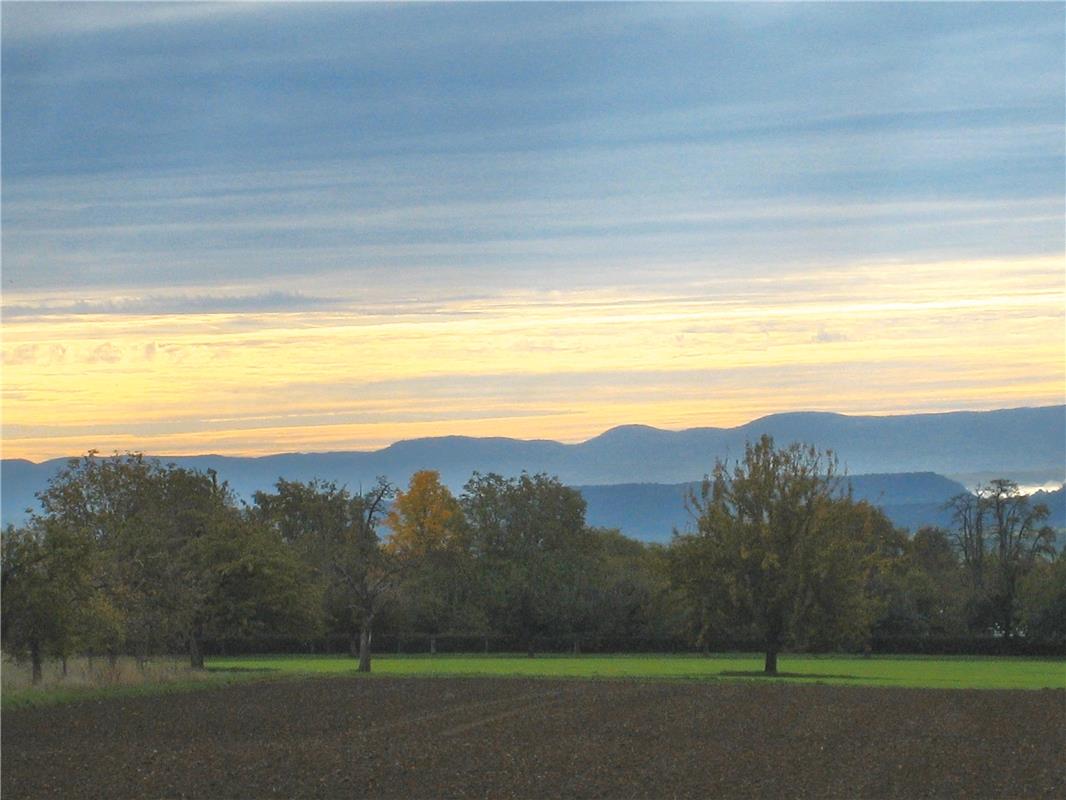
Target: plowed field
x=412 y=738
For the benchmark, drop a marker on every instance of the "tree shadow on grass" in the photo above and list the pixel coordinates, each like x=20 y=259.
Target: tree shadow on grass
x=242 y=669
x=800 y=675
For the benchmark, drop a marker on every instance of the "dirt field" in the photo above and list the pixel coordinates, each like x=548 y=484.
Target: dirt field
x=404 y=738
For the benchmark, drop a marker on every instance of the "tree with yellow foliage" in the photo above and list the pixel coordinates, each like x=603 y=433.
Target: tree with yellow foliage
x=429 y=537
x=424 y=519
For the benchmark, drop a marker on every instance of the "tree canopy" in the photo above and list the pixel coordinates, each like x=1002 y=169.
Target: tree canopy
x=129 y=555
x=336 y=533
x=778 y=553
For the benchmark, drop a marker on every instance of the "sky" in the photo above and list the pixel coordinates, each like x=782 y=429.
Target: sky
x=258 y=228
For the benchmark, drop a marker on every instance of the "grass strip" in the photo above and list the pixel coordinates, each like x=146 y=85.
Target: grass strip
x=901 y=672
x=932 y=672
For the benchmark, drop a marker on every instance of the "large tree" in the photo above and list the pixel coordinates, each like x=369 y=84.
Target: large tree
x=1043 y=601
x=429 y=535
x=1019 y=538
x=1000 y=536
x=970 y=540
x=172 y=555
x=619 y=591
x=527 y=534
x=779 y=554
x=337 y=534
x=48 y=592
x=928 y=590
x=143 y=520
x=254 y=583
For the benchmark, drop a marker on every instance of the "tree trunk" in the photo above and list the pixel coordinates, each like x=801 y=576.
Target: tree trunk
x=196 y=655
x=35 y=659
x=1008 y=616
x=63 y=664
x=529 y=647
x=486 y=644
x=364 y=647
x=773 y=645
x=432 y=645
x=353 y=643
x=770 y=667
x=112 y=657
x=577 y=647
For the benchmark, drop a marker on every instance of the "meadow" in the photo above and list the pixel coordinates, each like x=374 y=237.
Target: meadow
x=99 y=679
x=896 y=671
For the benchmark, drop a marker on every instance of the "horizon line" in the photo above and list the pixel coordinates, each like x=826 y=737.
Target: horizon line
x=551 y=441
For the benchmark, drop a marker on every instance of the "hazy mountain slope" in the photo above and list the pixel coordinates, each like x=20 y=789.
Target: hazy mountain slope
x=1032 y=440
x=652 y=511
x=19 y=480
x=1000 y=441
x=1056 y=504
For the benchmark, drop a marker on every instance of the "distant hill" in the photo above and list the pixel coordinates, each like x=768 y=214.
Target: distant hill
x=1025 y=440
x=652 y=511
x=1056 y=504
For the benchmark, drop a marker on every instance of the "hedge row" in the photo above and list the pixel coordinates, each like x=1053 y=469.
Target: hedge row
x=476 y=643
x=967 y=646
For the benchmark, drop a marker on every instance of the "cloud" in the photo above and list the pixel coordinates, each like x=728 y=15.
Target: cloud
x=22 y=354
x=106 y=353
x=502 y=143
x=30 y=21
x=173 y=304
x=35 y=354
x=825 y=337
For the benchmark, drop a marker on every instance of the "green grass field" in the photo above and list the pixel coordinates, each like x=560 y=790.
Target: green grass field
x=893 y=671
x=913 y=671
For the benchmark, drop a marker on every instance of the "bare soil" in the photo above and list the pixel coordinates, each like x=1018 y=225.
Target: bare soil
x=493 y=738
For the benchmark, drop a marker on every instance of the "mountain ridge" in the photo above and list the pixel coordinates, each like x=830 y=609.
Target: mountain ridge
x=1004 y=441
x=624 y=427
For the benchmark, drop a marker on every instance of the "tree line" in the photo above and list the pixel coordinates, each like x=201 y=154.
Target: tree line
x=128 y=555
